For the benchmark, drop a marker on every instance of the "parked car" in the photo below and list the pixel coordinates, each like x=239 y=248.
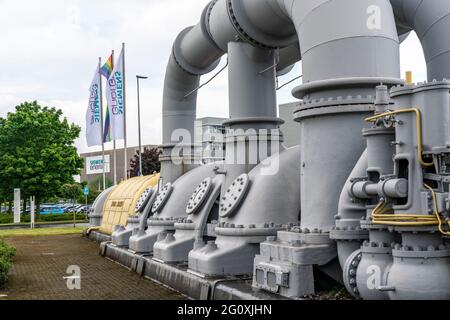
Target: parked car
x=84 y=209
x=51 y=209
x=68 y=207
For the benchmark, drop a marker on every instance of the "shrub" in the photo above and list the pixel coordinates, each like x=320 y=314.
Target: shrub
x=61 y=217
x=7 y=253
x=5 y=265
x=6 y=218
x=9 y=219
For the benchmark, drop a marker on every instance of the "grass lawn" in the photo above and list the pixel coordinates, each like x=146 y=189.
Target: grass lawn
x=41 y=232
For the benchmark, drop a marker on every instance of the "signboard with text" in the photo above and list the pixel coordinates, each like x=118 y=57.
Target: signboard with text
x=94 y=165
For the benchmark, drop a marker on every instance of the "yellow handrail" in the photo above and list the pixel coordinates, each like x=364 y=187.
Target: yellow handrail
x=419 y=129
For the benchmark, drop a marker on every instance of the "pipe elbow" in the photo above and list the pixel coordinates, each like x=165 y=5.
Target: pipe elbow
x=194 y=49
x=430 y=19
x=194 y=54
x=347 y=232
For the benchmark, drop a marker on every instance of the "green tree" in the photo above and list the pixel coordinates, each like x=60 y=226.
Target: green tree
x=37 y=152
x=71 y=191
x=97 y=184
x=95 y=188
x=150 y=162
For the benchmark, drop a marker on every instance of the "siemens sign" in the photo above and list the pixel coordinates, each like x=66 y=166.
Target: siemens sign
x=94 y=165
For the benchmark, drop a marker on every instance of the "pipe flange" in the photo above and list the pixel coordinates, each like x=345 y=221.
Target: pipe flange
x=199 y=196
x=379 y=131
x=420 y=87
x=143 y=199
x=255 y=37
x=369 y=226
x=350 y=269
x=162 y=197
x=349 y=234
x=430 y=252
x=132 y=220
x=332 y=84
x=372 y=247
x=234 y=195
x=252 y=120
x=240 y=31
x=205 y=23
x=333 y=102
x=240 y=136
x=301 y=115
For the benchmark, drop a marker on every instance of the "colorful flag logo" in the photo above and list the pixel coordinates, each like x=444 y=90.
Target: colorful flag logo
x=107 y=132
x=107 y=67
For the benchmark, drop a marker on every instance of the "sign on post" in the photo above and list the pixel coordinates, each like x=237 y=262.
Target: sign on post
x=86 y=193
x=16 y=205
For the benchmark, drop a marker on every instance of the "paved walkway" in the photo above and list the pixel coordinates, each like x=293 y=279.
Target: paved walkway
x=41 y=263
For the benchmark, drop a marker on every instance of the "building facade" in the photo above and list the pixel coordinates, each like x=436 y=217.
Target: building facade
x=290 y=128
x=210 y=136
x=93 y=164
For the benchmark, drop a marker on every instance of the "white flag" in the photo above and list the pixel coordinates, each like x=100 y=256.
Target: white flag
x=116 y=102
x=94 y=134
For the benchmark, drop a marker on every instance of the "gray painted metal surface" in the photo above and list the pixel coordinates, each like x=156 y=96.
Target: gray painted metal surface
x=173 y=210
x=340 y=189
x=395 y=261
x=96 y=214
x=122 y=234
x=258 y=216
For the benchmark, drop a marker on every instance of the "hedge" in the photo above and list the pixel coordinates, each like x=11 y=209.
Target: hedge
x=9 y=218
x=7 y=253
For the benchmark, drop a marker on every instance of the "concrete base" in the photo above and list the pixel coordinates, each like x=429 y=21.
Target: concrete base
x=226 y=256
x=121 y=238
x=180 y=279
x=99 y=237
x=175 y=247
x=285 y=263
x=143 y=241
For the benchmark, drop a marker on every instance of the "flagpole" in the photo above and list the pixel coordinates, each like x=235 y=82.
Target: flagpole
x=114 y=141
x=124 y=114
x=101 y=117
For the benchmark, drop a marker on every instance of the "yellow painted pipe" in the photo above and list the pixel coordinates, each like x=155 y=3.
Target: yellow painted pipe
x=419 y=129
x=409 y=78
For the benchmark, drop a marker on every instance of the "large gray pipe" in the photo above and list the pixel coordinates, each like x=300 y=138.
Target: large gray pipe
x=194 y=54
x=197 y=51
x=430 y=19
x=350 y=212
x=275 y=24
x=280 y=23
x=372 y=53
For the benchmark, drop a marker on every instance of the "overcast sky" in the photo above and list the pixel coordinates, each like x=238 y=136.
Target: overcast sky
x=50 y=49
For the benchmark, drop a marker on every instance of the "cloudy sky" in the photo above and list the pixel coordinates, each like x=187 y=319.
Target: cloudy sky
x=50 y=49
